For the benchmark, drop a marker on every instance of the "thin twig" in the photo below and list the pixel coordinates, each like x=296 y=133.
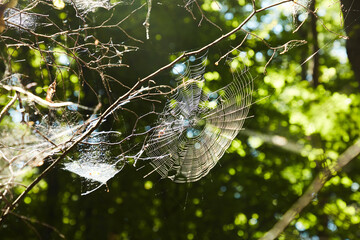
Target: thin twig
x=7 y=107
x=93 y=125
x=41 y=223
x=319 y=20
x=235 y=48
x=147 y=20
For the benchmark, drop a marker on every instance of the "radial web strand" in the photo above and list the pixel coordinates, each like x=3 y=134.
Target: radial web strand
x=196 y=128
x=192 y=69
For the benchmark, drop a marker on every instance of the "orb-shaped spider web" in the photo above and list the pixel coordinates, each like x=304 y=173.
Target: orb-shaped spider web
x=196 y=128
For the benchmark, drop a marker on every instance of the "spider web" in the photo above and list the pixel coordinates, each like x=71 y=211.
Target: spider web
x=86 y=6
x=192 y=69
x=95 y=163
x=300 y=7
x=26 y=145
x=21 y=21
x=196 y=128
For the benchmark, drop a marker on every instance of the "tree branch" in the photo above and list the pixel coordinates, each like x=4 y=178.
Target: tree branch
x=312 y=190
x=125 y=98
x=276 y=140
x=7 y=107
x=41 y=101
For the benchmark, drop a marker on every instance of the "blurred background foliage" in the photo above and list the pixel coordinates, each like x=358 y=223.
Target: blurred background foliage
x=302 y=122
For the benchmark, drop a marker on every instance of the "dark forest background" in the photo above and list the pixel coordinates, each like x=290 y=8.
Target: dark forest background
x=306 y=114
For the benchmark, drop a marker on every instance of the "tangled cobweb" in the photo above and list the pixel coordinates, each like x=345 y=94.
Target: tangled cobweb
x=84 y=7
x=196 y=128
x=21 y=20
x=29 y=140
x=300 y=11
x=95 y=163
x=29 y=143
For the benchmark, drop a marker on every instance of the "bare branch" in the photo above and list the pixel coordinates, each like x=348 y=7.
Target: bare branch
x=147 y=20
x=41 y=101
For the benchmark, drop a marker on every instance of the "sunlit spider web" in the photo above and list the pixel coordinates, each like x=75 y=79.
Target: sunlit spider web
x=95 y=163
x=30 y=143
x=21 y=20
x=29 y=139
x=300 y=11
x=86 y=6
x=196 y=128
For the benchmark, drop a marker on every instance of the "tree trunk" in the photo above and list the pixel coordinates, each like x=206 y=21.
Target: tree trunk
x=351 y=13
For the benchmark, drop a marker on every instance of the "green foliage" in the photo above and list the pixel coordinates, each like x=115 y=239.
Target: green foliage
x=256 y=181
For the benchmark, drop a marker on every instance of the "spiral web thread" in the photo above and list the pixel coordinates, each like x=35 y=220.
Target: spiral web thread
x=194 y=69
x=196 y=128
